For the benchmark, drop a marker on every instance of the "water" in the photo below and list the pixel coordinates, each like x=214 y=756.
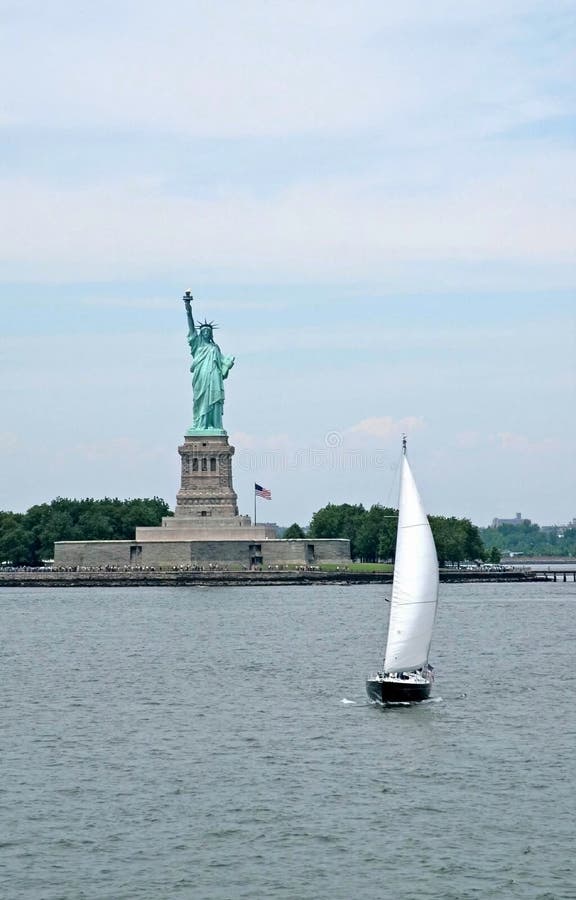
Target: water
x=216 y=743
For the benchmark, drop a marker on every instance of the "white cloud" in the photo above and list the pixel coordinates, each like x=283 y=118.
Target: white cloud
x=384 y=428
x=469 y=439
x=348 y=229
x=167 y=303
x=521 y=444
x=257 y=68
x=110 y=450
x=424 y=84
x=245 y=442
x=220 y=73
x=9 y=442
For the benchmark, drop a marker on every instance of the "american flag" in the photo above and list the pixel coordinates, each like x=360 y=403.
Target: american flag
x=262 y=492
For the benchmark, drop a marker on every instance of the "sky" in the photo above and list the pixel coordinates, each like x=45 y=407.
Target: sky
x=374 y=201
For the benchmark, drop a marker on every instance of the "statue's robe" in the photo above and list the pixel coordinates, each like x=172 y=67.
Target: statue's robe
x=209 y=369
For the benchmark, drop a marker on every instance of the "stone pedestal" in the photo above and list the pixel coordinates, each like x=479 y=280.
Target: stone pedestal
x=206 y=489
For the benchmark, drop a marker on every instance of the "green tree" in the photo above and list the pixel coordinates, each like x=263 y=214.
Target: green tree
x=294 y=532
x=339 y=521
x=473 y=545
x=372 y=533
x=8 y=520
x=27 y=539
x=376 y=534
x=18 y=547
x=95 y=524
x=387 y=545
x=456 y=540
x=494 y=556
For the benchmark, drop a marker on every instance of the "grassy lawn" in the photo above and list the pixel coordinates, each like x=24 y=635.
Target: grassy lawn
x=356 y=567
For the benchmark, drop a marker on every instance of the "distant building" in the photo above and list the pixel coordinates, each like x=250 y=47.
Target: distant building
x=517 y=520
x=558 y=530
x=550 y=529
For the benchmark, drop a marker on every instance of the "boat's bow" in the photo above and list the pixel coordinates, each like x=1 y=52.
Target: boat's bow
x=400 y=687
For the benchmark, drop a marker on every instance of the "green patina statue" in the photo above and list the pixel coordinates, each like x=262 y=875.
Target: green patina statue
x=209 y=369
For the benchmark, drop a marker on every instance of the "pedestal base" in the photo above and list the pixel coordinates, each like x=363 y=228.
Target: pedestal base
x=206 y=489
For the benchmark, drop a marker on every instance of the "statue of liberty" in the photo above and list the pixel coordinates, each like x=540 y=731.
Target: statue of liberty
x=209 y=369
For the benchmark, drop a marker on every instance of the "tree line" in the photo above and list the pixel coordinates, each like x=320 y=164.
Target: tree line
x=531 y=540
x=26 y=539
x=372 y=533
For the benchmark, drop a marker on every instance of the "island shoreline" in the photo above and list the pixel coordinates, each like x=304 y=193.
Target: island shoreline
x=262 y=578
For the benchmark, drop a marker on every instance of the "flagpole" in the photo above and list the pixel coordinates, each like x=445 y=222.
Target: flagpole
x=254 y=504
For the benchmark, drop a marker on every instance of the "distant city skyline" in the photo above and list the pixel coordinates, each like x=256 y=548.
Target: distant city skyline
x=372 y=202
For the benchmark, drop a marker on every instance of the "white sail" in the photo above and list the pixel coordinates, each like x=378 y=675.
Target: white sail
x=415 y=584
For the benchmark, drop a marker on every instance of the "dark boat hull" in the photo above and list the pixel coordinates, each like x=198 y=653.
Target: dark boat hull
x=397 y=691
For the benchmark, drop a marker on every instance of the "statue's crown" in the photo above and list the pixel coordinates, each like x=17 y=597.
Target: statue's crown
x=206 y=324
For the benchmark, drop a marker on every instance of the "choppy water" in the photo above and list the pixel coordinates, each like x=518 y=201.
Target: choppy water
x=216 y=743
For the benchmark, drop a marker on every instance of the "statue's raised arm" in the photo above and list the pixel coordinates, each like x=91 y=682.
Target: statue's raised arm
x=209 y=369
x=188 y=304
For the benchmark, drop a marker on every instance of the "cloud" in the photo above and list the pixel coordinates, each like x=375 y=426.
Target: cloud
x=9 y=442
x=348 y=229
x=384 y=428
x=416 y=181
x=111 y=450
x=167 y=303
x=469 y=439
x=511 y=443
x=261 y=442
x=521 y=444
x=257 y=68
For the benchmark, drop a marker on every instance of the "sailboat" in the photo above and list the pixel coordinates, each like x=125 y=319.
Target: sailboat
x=407 y=676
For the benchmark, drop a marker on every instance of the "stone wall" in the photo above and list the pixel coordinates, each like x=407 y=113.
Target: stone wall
x=223 y=530
x=92 y=553
x=231 y=553
x=307 y=552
